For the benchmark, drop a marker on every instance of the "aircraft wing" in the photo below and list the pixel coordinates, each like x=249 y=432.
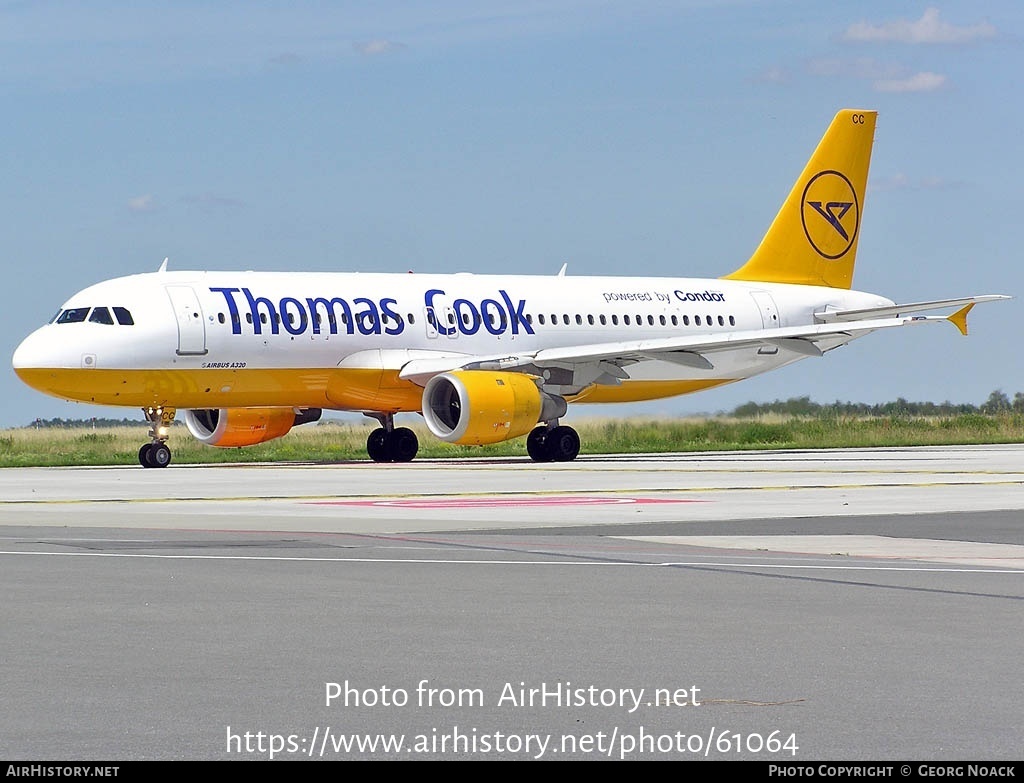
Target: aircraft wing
x=698 y=350
x=810 y=340
x=829 y=316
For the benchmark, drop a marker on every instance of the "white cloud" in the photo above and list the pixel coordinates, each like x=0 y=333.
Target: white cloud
x=379 y=46
x=885 y=77
x=929 y=29
x=141 y=203
x=925 y=81
x=772 y=75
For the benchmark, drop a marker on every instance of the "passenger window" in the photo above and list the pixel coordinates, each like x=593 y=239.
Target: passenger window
x=721 y=321
x=732 y=321
x=686 y=320
x=101 y=315
x=604 y=321
x=124 y=317
x=696 y=320
x=615 y=320
x=73 y=316
x=220 y=317
x=625 y=320
x=541 y=319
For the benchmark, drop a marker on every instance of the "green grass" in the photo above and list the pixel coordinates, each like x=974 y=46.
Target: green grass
x=336 y=442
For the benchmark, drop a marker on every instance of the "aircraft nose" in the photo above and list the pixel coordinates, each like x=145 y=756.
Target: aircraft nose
x=25 y=354
x=37 y=351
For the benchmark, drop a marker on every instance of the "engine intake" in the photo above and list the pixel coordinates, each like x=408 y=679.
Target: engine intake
x=476 y=407
x=233 y=427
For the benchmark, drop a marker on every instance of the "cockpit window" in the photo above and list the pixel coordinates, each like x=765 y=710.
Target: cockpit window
x=73 y=316
x=123 y=317
x=101 y=315
x=56 y=315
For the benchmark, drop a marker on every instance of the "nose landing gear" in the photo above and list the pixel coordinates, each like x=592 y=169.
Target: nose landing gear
x=156 y=453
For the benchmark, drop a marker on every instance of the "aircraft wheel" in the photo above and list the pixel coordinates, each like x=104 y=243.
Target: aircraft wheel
x=159 y=455
x=144 y=455
x=402 y=445
x=536 y=444
x=562 y=444
x=377 y=445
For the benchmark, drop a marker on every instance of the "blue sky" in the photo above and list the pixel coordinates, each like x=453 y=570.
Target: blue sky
x=650 y=137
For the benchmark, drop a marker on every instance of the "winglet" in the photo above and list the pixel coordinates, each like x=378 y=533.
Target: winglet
x=163 y=266
x=959 y=318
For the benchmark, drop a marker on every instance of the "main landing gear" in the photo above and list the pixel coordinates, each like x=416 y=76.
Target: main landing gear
x=553 y=443
x=388 y=443
x=156 y=453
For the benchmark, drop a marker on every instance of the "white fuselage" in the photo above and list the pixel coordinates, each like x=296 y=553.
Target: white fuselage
x=340 y=340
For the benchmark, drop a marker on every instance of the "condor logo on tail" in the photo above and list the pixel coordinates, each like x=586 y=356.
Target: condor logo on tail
x=831 y=215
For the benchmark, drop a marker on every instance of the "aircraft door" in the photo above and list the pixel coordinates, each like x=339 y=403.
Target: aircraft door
x=431 y=322
x=766 y=306
x=191 y=328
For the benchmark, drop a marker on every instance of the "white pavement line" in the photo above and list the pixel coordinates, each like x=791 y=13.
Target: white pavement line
x=972 y=553
x=569 y=563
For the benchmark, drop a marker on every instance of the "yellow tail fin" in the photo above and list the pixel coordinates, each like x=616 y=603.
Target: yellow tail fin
x=813 y=239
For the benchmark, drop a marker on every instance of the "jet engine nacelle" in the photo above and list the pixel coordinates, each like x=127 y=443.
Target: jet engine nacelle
x=475 y=407
x=233 y=427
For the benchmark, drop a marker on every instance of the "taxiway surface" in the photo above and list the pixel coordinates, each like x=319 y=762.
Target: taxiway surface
x=854 y=604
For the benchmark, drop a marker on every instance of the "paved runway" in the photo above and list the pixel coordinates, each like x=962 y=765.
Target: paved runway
x=839 y=605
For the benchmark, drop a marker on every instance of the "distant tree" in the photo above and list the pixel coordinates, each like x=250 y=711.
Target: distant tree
x=1018 y=402
x=997 y=402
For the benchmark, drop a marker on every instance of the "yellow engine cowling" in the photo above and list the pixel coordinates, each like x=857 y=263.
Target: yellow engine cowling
x=475 y=407
x=233 y=427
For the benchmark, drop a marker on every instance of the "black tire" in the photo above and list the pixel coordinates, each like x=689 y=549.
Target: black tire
x=144 y=455
x=377 y=445
x=536 y=444
x=159 y=455
x=402 y=445
x=562 y=444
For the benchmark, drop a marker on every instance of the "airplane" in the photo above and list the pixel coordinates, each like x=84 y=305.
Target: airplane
x=483 y=358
